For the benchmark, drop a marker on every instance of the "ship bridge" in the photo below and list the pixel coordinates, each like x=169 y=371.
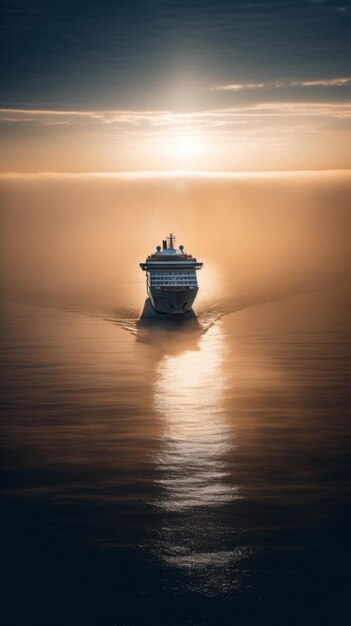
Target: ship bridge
x=168 y=258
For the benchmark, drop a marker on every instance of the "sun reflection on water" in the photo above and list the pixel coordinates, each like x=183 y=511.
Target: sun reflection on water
x=194 y=475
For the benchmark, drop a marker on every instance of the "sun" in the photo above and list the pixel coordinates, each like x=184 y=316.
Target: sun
x=182 y=150
x=186 y=146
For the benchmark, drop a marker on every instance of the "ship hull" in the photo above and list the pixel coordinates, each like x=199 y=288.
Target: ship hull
x=172 y=301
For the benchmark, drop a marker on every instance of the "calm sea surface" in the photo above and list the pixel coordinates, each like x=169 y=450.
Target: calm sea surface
x=184 y=474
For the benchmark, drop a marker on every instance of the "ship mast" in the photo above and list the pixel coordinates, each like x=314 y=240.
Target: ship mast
x=171 y=240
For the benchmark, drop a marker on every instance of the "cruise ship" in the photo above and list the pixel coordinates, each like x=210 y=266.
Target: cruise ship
x=171 y=279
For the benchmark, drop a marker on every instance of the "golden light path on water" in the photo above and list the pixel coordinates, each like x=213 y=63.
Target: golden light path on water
x=193 y=471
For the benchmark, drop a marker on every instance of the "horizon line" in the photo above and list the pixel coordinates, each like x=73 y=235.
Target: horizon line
x=173 y=172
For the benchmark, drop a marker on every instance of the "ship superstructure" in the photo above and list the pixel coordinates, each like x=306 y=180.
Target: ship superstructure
x=171 y=279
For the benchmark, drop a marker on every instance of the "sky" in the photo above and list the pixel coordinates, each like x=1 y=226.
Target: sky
x=106 y=85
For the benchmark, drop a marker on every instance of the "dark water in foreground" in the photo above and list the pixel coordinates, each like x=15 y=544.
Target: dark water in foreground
x=167 y=475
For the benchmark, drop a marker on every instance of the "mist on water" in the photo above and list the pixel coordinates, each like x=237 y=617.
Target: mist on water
x=76 y=240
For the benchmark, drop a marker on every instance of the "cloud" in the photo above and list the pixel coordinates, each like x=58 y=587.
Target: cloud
x=54 y=116
x=240 y=86
x=278 y=84
x=332 y=82
x=192 y=120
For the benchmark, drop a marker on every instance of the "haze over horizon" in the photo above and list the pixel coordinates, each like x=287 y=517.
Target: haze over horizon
x=166 y=85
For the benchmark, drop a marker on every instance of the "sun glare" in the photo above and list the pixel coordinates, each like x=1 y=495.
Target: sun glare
x=186 y=146
x=183 y=150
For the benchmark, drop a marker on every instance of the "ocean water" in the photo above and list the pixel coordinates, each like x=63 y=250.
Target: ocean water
x=175 y=473
x=162 y=473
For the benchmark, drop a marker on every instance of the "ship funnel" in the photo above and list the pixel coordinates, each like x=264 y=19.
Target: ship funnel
x=164 y=244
